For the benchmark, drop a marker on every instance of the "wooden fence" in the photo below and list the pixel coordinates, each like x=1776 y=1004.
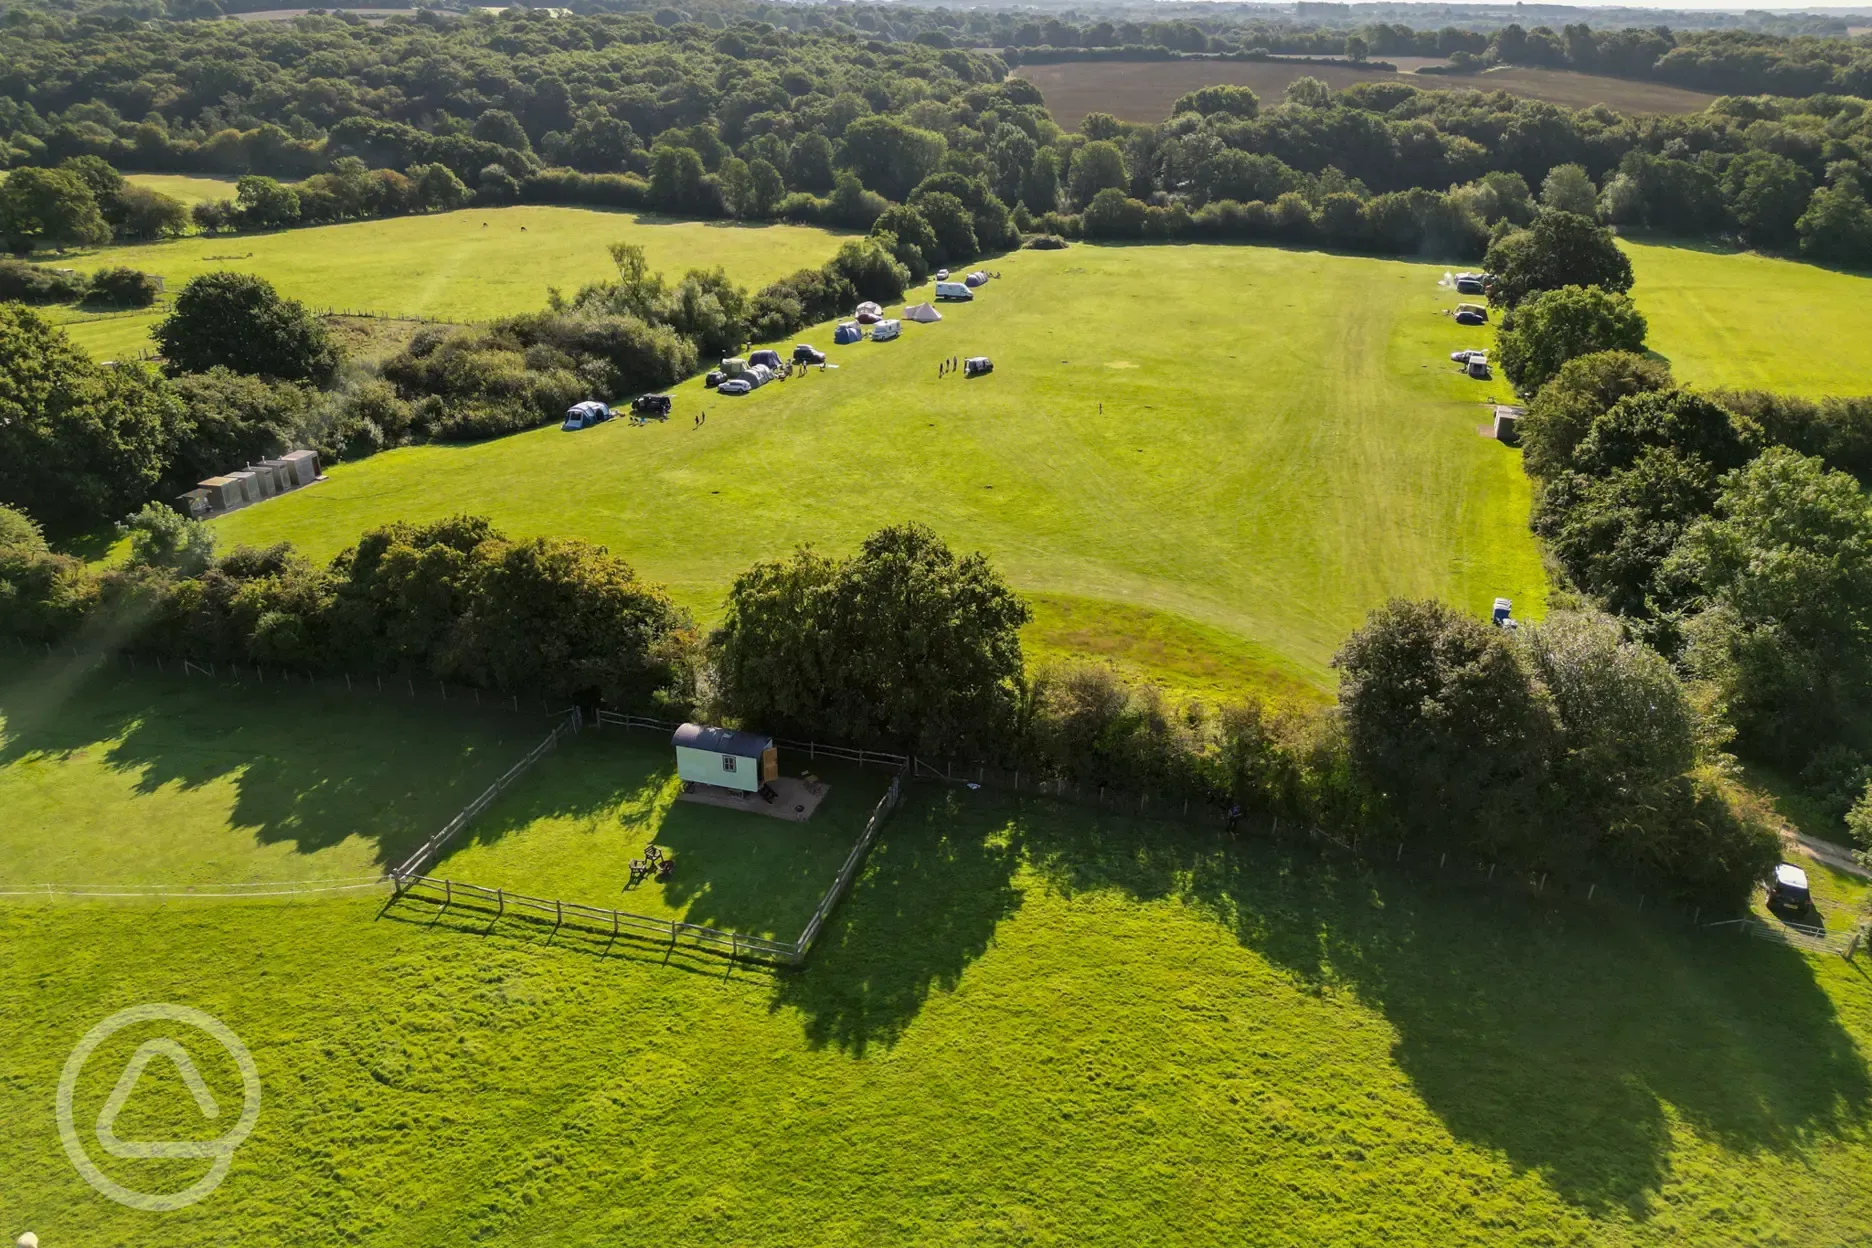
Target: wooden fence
x=411 y=882
x=426 y=852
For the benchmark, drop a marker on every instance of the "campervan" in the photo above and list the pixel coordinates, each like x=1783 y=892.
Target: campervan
x=884 y=331
x=953 y=290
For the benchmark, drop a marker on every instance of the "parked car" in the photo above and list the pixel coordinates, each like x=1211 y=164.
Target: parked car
x=1788 y=890
x=585 y=415
x=1463 y=357
x=976 y=366
x=806 y=353
x=1467 y=285
x=1467 y=316
x=715 y=378
x=652 y=406
x=735 y=385
x=953 y=290
x=942 y=275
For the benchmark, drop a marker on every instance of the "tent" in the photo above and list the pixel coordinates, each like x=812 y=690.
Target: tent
x=924 y=313
x=847 y=331
x=869 y=313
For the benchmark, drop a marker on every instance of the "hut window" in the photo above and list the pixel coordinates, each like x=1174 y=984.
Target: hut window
x=727 y=762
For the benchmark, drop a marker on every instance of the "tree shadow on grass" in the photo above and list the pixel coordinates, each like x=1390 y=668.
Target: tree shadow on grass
x=938 y=881
x=313 y=767
x=1565 y=1039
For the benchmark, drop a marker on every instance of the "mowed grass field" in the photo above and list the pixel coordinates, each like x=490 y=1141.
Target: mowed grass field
x=1029 y=1023
x=127 y=778
x=1176 y=443
x=1751 y=321
x=1144 y=91
x=472 y=265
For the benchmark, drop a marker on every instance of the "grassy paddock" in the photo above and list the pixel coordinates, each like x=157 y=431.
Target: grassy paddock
x=108 y=778
x=471 y=265
x=1027 y=1024
x=1752 y=321
x=1254 y=441
x=570 y=829
x=190 y=188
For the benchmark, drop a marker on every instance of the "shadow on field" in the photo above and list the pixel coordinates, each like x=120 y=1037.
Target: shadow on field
x=1565 y=1039
x=1557 y=1037
x=937 y=883
x=310 y=767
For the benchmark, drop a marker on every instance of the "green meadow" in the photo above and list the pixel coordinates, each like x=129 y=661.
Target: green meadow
x=1749 y=321
x=472 y=265
x=1029 y=1023
x=1178 y=444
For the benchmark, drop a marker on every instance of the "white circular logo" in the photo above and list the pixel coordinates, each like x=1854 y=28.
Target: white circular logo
x=220 y=1150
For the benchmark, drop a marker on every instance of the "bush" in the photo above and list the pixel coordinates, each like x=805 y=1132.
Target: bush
x=1581 y=391
x=1838 y=430
x=122 y=288
x=1046 y=242
x=34 y=284
x=160 y=537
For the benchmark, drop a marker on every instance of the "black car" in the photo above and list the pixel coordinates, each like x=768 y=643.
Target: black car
x=806 y=354
x=656 y=405
x=715 y=378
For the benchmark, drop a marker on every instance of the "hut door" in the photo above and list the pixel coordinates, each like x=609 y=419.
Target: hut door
x=769 y=765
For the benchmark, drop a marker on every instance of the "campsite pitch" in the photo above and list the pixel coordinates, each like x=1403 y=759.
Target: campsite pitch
x=1027 y=1024
x=570 y=829
x=1262 y=442
x=471 y=265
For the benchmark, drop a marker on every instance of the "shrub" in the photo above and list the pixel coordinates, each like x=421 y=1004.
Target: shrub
x=122 y=288
x=34 y=284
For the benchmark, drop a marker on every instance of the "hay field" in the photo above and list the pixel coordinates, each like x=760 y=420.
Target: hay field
x=1260 y=442
x=471 y=265
x=1143 y=91
x=1751 y=321
x=1028 y=1023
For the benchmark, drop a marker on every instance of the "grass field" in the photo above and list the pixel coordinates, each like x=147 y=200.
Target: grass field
x=128 y=779
x=1143 y=91
x=571 y=827
x=1260 y=442
x=472 y=265
x=190 y=188
x=1754 y=321
x=1028 y=1024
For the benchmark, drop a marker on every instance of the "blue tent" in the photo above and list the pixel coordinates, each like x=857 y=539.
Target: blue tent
x=847 y=332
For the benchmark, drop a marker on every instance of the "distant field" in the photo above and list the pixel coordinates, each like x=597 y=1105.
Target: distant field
x=1754 y=321
x=1144 y=91
x=189 y=188
x=1210 y=462
x=471 y=265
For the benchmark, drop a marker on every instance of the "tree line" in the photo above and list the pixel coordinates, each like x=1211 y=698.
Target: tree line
x=752 y=119
x=1449 y=733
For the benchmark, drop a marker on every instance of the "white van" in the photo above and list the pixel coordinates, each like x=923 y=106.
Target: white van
x=884 y=331
x=953 y=290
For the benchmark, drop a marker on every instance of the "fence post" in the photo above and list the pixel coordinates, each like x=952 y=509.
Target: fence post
x=500 y=899
x=412 y=686
x=448 y=893
x=558 y=914
x=1590 y=890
